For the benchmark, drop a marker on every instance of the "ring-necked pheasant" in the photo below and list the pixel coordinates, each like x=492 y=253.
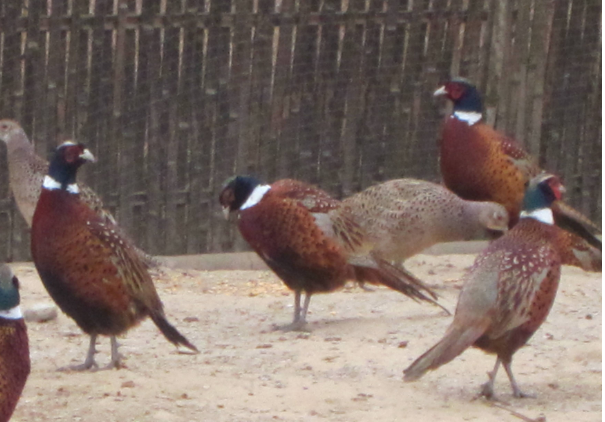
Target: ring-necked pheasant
x=405 y=216
x=14 y=345
x=508 y=292
x=481 y=164
x=89 y=269
x=26 y=171
x=312 y=247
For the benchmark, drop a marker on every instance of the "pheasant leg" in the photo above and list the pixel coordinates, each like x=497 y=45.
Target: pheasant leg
x=513 y=383
x=116 y=357
x=487 y=389
x=90 y=358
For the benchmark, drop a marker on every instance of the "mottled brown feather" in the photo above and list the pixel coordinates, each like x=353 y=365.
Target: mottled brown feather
x=14 y=364
x=506 y=296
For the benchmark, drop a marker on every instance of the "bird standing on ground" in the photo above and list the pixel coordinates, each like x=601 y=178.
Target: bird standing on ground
x=507 y=293
x=14 y=345
x=87 y=267
x=479 y=163
x=405 y=216
x=26 y=170
x=309 y=242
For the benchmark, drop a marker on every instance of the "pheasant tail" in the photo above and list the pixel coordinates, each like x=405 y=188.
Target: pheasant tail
x=457 y=339
x=397 y=279
x=170 y=332
x=573 y=221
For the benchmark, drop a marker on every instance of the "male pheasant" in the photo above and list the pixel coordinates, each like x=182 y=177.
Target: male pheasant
x=507 y=293
x=90 y=270
x=26 y=170
x=481 y=164
x=14 y=345
x=405 y=216
x=302 y=235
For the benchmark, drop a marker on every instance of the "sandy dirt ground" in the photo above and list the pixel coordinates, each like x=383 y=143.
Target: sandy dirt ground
x=348 y=367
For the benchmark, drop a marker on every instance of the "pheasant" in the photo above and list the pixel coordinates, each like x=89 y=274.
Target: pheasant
x=507 y=293
x=405 y=216
x=302 y=235
x=27 y=170
x=89 y=269
x=479 y=163
x=14 y=345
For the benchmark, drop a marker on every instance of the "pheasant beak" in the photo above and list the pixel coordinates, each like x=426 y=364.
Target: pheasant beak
x=87 y=155
x=226 y=212
x=440 y=91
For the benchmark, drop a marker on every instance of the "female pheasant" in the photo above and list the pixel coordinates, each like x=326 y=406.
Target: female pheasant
x=302 y=235
x=26 y=170
x=88 y=268
x=479 y=163
x=14 y=345
x=507 y=293
x=405 y=216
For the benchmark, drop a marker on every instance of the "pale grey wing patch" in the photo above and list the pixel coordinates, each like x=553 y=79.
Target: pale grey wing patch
x=527 y=167
x=324 y=222
x=479 y=296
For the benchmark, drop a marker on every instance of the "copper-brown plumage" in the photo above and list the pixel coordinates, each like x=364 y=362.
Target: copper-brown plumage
x=26 y=171
x=312 y=250
x=506 y=296
x=480 y=163
x=14 y=345
x=91 y=271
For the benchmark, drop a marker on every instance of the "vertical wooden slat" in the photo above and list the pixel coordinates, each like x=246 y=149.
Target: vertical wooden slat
x=330 y=106
x=217 y=108
x=536 y=73
x=260 y=94
x=496 y=92
x=370 y=133
x=191 y=85
x=280 y=127
x=117 y=138
x=34 y=100
x=175 y=211
x=303 y=70
x=149 y=79
x=574 y=105
x=11 y=101
x=471 y=49
x=591 y=165
x=55 y=81
x=350 y=85
x=519 y=88
x=239 y=88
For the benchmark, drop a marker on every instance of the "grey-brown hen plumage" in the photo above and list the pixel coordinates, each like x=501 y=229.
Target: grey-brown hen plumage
x=405 y=216
x=27 y=170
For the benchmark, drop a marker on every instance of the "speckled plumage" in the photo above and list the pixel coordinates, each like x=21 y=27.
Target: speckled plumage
x=14 y=346
x=89 y=269
x=27 y=170
x=310 y=243
x=405 y=216
x=506 y=296
x=480 y=163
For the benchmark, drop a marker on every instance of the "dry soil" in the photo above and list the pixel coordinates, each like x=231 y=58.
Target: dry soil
x=347 y=368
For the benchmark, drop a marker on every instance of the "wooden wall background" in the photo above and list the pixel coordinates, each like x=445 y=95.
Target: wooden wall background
x=175 y=96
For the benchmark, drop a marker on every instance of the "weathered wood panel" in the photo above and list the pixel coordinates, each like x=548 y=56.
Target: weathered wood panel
x=174 y=97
